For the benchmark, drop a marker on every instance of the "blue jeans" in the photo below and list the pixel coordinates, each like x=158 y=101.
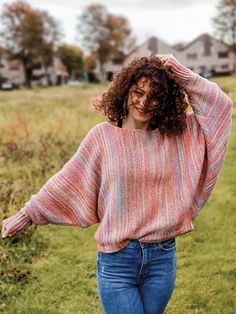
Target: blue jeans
x=138 y=279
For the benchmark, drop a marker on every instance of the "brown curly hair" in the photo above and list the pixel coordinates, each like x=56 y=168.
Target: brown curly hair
x=170 y=114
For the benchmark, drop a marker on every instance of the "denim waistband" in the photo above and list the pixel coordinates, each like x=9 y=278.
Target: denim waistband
x=135 y=243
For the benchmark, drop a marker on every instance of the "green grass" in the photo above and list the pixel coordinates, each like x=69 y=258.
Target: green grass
x=51 y=269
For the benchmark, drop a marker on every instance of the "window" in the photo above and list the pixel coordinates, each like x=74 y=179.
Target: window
x=223 y=54
x=191 y=56
x=117 y=61
x=202 y=68
x=225 y=66
x=14 y=65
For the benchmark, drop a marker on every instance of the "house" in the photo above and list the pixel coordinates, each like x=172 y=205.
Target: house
x=12 y=71
x=56 y=74
x=203 y=54
x=110 y=67
x=152 y=46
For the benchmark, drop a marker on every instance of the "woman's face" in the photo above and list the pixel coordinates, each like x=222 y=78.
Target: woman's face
x=136 y=98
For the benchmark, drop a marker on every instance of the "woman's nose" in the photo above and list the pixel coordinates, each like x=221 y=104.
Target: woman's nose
x=142 y=100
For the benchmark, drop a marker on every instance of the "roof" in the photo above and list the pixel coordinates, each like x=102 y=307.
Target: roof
x=181 y=47
x=150 y=43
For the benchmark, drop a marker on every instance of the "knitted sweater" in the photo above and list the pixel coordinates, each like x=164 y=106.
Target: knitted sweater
x=134 y=183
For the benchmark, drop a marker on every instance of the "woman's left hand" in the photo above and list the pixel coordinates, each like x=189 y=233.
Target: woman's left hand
x=179 y=71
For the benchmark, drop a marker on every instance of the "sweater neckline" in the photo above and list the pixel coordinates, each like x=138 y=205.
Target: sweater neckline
x=133 y=131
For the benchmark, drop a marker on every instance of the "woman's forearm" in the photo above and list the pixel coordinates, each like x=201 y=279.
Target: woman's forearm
x=212 y=107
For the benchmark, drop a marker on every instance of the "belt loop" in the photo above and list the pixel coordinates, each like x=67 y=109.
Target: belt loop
x=139 y=241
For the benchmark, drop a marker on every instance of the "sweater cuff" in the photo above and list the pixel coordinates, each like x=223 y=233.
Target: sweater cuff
x=181 y=73
x=17 y=222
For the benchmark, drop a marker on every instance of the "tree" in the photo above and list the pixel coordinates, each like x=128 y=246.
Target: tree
x=72 y=57
x=225 y=23
x=51 y=37
x=90 y=61
x=30 y=36
x=105 y=34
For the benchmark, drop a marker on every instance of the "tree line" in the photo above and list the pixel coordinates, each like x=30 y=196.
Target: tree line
x=34 y=37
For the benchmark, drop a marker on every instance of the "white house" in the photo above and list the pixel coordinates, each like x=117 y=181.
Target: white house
x=12 y=71
x=56 y=74
x=203 y=54
x=152 y=46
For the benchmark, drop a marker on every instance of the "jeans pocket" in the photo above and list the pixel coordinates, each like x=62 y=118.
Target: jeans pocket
x=168 y=245
x=103 y=256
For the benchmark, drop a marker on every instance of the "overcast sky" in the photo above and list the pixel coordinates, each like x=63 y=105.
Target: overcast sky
x=171 y=20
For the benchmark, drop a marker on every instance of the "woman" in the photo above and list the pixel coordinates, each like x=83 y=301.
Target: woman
x=143 y=179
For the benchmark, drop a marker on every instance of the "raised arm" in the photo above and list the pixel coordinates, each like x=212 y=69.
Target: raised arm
x=212 y=117
x=208 y=101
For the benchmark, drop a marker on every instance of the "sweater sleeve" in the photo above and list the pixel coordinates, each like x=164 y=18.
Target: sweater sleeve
x=16 y=223
x=70 y=196
x=212 y=117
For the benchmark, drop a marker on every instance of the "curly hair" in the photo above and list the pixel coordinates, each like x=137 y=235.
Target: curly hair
x=169 y=116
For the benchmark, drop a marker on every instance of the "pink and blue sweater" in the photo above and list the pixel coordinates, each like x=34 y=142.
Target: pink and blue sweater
x=134 y=183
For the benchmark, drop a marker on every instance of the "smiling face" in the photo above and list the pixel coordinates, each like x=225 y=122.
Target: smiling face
x=135 y=103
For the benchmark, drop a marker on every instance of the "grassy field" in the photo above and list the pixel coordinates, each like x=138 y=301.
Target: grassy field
x=51 y=269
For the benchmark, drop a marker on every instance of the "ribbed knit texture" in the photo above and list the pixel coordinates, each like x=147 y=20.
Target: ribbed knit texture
x=133 y=182
x=16 y=223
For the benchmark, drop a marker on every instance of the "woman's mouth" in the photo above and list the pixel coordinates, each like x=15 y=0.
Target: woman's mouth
x=139 y=110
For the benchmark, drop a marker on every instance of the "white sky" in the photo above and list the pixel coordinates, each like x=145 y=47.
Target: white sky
x=171 y=20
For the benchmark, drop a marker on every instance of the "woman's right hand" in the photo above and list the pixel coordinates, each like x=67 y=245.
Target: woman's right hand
x=5 y=232
x=14 y=224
